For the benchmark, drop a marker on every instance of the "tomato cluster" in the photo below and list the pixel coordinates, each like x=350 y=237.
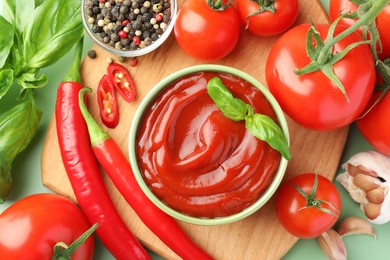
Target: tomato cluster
x=209 y=30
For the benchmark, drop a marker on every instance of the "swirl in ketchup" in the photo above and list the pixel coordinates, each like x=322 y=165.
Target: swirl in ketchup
x=198 y=161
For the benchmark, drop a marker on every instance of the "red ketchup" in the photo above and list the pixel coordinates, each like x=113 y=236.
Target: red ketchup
x=198 y=161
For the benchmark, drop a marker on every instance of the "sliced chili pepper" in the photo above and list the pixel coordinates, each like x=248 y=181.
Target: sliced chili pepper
x=122 y=81
x=110 y=156
x=108 y=106
x=83 y=171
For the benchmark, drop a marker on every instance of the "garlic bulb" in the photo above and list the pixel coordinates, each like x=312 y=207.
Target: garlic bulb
x=367 y=178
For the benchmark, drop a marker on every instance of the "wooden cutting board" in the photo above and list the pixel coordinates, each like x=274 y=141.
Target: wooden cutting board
x=259 y=236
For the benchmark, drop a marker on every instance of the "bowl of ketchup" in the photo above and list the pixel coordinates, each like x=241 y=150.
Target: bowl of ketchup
x=192 y=161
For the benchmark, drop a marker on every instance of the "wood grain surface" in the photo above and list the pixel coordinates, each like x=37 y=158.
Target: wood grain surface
x=259 y=236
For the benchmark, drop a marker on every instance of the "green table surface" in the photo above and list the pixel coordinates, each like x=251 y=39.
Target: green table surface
x=27 y=178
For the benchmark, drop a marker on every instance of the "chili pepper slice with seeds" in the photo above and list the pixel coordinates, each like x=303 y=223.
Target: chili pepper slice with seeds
x=108 y=106
x=83 y=171
x=111 y=158
x=122 y=81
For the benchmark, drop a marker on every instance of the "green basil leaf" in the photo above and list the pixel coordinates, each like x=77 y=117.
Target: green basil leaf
x=6 y=80
x=6 y=39
x=38 y=2
x=29 y=80
x=264 y=128
x=18 y=12
x=18 y=126
x=5 y=177
x=55 y=28
x=233 y=108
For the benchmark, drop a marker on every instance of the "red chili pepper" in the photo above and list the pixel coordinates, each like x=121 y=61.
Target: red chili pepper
x=122 y=81
x=119 y=170
x=83 y=171
x=108 y=106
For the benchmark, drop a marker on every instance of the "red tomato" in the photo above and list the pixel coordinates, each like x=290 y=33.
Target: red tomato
x=382 y=22
x=296 y=216
x=30 y=228
x=204 y=33
x=313 y=100
x=375 y=125
x=267 y=23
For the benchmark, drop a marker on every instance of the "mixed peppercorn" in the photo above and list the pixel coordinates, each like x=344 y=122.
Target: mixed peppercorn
x=128 y=24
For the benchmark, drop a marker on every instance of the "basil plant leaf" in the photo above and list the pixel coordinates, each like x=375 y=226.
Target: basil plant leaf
x=18 y=126
x=5 y=177
x=233 y=108
x=18 y=12
x=29 y=80
x=55 y=28
x=6 y=39
x=264 y=128
x=6 y=80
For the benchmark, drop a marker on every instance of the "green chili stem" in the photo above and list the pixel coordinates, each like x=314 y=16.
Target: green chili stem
x=97 y=135
x=366 y=19
x=74 y=72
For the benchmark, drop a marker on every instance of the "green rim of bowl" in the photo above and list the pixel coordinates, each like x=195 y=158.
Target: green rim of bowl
x=155 y=91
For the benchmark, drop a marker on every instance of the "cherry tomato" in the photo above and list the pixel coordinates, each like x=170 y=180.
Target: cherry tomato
x=204 y=33
x=30 y=228
x=108 y=106
x=382 y=22
x=267 y=23
x=305 y=218
x=313 y=100
x=122 y=81
x=375 y=125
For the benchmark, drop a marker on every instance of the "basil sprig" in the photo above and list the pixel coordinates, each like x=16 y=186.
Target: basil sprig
x=259 y=125
x=34 y=34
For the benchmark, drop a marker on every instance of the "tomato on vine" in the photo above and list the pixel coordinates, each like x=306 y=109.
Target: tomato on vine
x=335 y=88
x=337 y=7
x=307 y=205
x=207 y=30
x=267 y=17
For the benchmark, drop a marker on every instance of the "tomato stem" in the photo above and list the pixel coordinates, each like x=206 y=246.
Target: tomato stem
x=366 y=19
x=64 y=252
x=265 y=5
x=312 y=201
x=218 y=5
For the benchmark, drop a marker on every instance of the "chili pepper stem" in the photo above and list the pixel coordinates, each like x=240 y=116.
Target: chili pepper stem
x=74 y=71
x=64 y=252
x=366 y=19
x=97 y=135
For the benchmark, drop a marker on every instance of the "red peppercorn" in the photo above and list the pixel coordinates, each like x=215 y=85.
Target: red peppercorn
x=136 y=40
x=122 y=34
x=159 y=17
x=125 y=22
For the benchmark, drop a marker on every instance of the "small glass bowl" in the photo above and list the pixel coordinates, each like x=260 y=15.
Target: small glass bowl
x=128 y=53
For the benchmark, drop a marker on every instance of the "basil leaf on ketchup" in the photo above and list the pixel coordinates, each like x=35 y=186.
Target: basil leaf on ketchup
x=233 y=108
x=259 y=125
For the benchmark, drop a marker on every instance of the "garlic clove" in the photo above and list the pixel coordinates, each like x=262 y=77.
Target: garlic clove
x=354 y=226
x=367 y=179
x=353 y=170
x=376 y=195
x=372 y=210
x=332 y=245
x=366 y=182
